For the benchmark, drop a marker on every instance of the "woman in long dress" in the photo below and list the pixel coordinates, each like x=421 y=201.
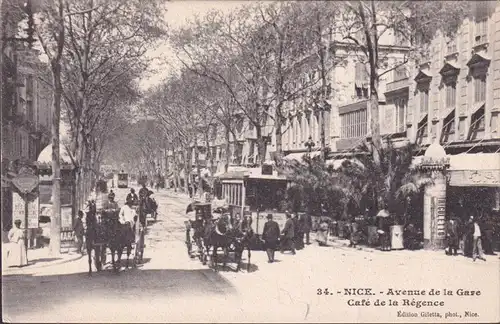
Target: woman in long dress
x=17 y=253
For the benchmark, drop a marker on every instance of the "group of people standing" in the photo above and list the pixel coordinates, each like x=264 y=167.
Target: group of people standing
x=475 y=236
x=295 y=230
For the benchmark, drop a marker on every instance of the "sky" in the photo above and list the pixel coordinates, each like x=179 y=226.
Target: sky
x=178 y=13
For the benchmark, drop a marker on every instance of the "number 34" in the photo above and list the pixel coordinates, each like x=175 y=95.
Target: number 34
x=323 y=291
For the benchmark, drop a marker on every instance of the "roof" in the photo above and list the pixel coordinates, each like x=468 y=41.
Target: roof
x=46 y=155
x=252 y=173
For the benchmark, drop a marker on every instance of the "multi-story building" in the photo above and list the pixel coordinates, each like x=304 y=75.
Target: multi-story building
x=26 y=106
x=455 y=102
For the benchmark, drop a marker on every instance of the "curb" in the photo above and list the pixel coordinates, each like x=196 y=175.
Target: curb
x=25 y=270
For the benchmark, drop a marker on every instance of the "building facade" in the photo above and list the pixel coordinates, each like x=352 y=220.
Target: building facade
x=26 y=106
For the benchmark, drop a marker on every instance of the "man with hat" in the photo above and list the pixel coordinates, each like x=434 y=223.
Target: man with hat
x=288 y=234
x=270 y=235
x=127 y=214
x=110 y=207
x=79 y=231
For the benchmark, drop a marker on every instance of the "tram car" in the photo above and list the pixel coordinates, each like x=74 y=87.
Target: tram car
x=122 y=180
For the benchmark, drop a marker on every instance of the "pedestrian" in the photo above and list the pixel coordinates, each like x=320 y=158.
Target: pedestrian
x=288 y=235
x=237 y=224
x=190 y=190
x=383 y=229
x=299 y=242
x=78 y=230
x=112 y=194
x=353 y=233
x=487 y=226
x=246 y=223
x=451 y=234
x=17 y=255
x=307 y=227
x=475 y=231
x=270 y=235
x=323 y=230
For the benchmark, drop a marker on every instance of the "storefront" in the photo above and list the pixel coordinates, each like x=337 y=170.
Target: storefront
x=464 y=185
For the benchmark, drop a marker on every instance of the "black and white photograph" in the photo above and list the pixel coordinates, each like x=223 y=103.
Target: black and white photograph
x=250 y=161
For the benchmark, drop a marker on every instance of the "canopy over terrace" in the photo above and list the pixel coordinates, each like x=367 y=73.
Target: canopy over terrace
x=44 y=161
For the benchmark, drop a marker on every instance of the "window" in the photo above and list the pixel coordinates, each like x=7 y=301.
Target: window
x=480 y=88
x=451 y=46
x=353 y=124
x=214 y=132
x=30 y=111
x=424 y=100
x=400 y=73
x=481 y=30
x=361 y=81
x=422 y=131
x=29 y=85
x=451 y=95
x=477 y=125
x=448 y=128
x=400 y=106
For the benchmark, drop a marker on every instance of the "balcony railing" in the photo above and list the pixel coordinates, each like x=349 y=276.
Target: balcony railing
x=397 y=85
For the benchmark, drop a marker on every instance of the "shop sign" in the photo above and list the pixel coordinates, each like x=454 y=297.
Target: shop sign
x=18 y=210
x=26 y=180
x=66 y=217
x=475 y=178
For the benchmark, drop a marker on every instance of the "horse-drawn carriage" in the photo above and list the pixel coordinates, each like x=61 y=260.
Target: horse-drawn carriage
x=212 y=229
x=104 y=231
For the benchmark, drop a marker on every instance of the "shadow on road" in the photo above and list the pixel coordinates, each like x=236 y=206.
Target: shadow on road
x=28 y=293
x=43 y=260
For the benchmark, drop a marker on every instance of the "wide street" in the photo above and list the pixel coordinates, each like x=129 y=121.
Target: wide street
x=171 y=287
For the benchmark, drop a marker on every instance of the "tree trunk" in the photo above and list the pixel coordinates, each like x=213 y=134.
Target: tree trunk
x=198 y=169
x=261 y=145
x=55 y=228
x=228 y=150
x=187 y=170
x=176 y=170
x=278 y=128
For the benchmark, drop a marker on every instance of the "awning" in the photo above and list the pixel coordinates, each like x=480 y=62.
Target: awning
x=298 y=156
x=476 y=107
x=478 y=57
x=449 y=67
x=447 y=112
x=423 y=74
x=338 y=162
x=422 y=118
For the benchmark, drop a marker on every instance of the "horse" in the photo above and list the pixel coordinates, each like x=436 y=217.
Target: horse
x=147 y=205
x=120 y=236
x=242 y=240
x=216 y=236
x=92 y=237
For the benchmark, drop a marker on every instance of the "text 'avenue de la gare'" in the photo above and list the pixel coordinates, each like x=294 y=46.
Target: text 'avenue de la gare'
x=409 y=302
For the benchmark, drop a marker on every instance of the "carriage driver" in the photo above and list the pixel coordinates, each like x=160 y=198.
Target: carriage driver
x=110 y=206
x=127 y=214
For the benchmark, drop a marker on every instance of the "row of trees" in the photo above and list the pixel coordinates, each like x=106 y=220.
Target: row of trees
x=95 y=51
x=261 y=58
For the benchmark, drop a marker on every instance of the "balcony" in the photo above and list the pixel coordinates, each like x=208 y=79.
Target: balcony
x=397 y=85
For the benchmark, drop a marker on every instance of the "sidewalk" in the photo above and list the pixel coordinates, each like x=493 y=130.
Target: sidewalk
x=38 y=258
x=492 y=260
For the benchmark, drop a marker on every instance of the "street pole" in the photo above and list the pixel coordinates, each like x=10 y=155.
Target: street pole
x=26 y=222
